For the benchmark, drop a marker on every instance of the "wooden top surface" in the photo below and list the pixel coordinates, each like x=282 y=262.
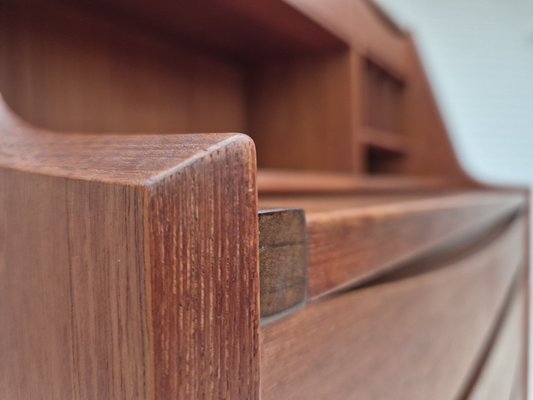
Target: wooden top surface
x=274 y=181
x=353 y=239
x=325 y=206
x=120 y=158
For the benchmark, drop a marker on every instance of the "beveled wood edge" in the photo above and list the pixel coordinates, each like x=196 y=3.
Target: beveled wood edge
x=213 y=200
x=451 y=248
x=457 y=248
x=128 y=159
x=462 y=237
x=223 y=161
x=455 y=200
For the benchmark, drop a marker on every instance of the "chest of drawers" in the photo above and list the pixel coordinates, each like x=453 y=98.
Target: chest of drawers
x=338 y=251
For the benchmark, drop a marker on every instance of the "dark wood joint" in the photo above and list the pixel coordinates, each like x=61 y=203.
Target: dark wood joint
x=282 y=260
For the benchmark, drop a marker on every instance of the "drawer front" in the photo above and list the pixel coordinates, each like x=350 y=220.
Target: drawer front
x=418 y=336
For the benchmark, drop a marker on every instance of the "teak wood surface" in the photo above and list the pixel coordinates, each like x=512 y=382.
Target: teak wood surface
x=422 y=334
x=129 y=266
x=129 y=256
x=350 y=243
x=298 y=75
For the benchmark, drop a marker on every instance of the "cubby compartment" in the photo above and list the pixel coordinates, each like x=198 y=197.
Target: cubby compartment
x=300 y=113
x=383 y=98
x=379 y=161
x=383 y=134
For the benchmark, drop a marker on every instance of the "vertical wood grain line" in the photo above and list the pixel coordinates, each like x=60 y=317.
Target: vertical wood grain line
x=201 y=229
x=72 y=313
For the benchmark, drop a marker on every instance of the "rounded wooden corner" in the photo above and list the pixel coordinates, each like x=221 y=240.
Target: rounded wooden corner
x=128 y=159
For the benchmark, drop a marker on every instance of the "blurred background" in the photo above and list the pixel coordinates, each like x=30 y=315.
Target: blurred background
x=478 y=55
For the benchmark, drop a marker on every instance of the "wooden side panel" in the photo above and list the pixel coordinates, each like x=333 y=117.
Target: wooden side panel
x=128 y=265
x=202 y=239
x=378 y=40
x=412 y=338
x=73 y=318
x=336 y=15
x=300 y=113
x=430 y=149
x=504 y=363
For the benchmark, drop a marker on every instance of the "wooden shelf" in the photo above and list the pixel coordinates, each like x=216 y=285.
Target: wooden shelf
x=293 y=181
x=383 y=140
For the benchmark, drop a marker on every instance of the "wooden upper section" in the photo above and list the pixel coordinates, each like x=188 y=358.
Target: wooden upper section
x=324 y=86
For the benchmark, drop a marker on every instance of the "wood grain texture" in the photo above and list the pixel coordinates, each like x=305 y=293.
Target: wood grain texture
x=73 y=320
x=68 y=68
x=422 y=334
x=128 y=266
x=306 y=105
x=282 y=260
x=202 y=225
x=129 y=263
x=351 y=240
x=130 y=159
